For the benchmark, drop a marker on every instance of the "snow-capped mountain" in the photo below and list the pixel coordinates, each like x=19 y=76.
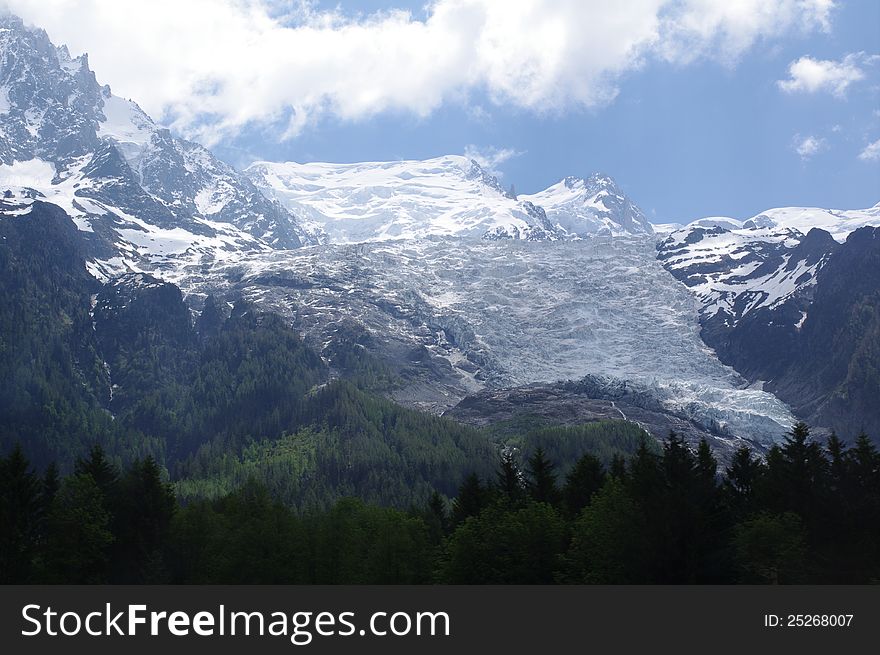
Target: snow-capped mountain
x=794 y=313
x=142 y=195
x=837 y=222
x=733 y=272
x=735 y=267
x=441 y=197
x=377 y=201
x=581 y=206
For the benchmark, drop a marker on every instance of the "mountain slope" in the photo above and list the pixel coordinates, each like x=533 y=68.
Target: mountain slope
x=833 y=377
x=142 y=196
x=737 y=271
x=581 y=206
x=122 y=364
x=376 y=201
x=793 y=312
x=442 y=197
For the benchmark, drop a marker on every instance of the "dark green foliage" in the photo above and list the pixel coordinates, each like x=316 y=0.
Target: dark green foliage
x=103 y=473
x=797 y=473
x=436 y=517
x=470 y=500
x=506 y=545
x=608 y=545
x=770 y=548
x=77 y=549
x=144 y=508
x=244 y=538
x=355 y=445
x=743 y=478
x=20 y=512
x=565 y=445
x=360 y=544
x=541 y=479
x=247 y=380
x=247 y=537
x=618 y=467
x=349 y=356
x=581 y=483
x=509 y=483
x=53 y=379
x=664 y=518
x=234 y=417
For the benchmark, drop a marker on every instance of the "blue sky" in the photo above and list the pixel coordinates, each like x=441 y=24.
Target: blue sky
x=684 y=102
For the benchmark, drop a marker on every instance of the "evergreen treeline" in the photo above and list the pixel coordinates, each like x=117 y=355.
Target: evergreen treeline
x=805 y=514
x=351 y=444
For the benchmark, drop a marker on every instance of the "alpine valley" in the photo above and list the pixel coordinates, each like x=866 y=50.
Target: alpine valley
x=271 y=322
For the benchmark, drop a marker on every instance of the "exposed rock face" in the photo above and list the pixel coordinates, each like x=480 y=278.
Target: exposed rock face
x=140 y=196
x=577 y=403
x=793 y=312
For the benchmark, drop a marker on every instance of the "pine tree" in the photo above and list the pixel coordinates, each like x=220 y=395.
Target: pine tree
x=804 y=470
x=542 y=479
x=144 y=512
x=103 y=472
x=509 y=482
x=582 y=482
x=836 y=449
x=19 y=511
x=78 y=548
x=618 y=467
x=679 y=466
x=471 y=499
x=643 y=476
x=436 y=517
x=50 y=485
x=771 y=548
x=742 y=478
x=865 y=464
x=707 y=465
x=609 y=543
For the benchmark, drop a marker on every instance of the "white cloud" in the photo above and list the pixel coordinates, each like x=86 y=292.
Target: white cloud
x=871 y=152
x=810 y=75
x=726 y=29
x=808 y=146
x=211 y=67
x=490 y=158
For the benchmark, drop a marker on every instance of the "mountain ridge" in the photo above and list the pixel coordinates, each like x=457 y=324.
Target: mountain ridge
x=124 y=180
x=449 y=195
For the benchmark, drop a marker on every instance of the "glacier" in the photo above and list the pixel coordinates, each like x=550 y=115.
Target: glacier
x=509 y=313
